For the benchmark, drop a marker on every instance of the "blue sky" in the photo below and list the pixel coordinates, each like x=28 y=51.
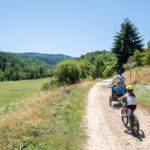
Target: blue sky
x=71 y=27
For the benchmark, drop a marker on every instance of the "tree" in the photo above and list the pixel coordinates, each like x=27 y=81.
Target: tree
x=8 y=71
x=147 y=55
x=126 y=42
x=85 y=69
x=1 y=75
x=42 y=71
x=138 y=56
x=68 y=72
x=100 y=66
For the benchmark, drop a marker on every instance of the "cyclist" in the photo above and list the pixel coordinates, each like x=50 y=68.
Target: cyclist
x=128 y=100
x=120 y=77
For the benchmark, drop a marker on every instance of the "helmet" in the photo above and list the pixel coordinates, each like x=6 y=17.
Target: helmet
x=119 y=72
x=129 y=87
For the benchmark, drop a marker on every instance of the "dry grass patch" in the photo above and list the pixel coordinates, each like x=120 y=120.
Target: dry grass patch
x=46 y=119
x=139 y=75
x=26 y=120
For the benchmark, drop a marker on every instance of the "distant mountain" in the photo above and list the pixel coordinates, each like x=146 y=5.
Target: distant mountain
x=49 y=59
x=47 y=55
x=34 y=59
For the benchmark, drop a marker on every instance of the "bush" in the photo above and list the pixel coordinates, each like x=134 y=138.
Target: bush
x=26 y=143
x=53 y=83
x=68 y=72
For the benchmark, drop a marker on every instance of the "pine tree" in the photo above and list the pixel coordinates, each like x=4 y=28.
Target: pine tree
x=126 y=42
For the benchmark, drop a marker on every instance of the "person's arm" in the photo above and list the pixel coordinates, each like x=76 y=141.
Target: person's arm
x=121 y=98
x=114 y=80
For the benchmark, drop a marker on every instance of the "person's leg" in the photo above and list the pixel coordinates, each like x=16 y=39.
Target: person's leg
x=123 y=102
x=123 y=108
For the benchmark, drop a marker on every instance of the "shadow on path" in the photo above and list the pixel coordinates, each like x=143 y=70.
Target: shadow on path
x=140 y=137
x=117 y=105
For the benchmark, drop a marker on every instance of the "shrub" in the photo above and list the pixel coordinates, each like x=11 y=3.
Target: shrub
x=26 y=143
x=68 y=72
x=53 y=83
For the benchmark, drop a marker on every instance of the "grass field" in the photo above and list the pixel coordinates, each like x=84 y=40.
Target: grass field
x=51 y=121
x=12 y=92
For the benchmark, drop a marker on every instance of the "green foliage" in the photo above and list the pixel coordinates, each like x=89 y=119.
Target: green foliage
x=28 y=66
x=68 y=72
x=126 y=42
x=146 y=58
x=11 y=71
x=89 y=66
x=109 y=71
x=26 y=143
x=67 y=115
x=100 y=66
x=50 y=60
x=138 y=57
x=53 y=83
x=1 y=75
x=85 y=69
x=109 y=58
x=92 y=56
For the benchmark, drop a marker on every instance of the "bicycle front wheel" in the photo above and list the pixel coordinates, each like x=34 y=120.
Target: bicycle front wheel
x=124 y=118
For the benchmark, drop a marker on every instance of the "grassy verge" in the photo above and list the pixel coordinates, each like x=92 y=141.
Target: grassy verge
x=12 y=92
x=143 y=94
x=52 y=121
x=141 y=81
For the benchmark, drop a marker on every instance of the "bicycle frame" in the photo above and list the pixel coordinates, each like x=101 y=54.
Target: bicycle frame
x=133 y=121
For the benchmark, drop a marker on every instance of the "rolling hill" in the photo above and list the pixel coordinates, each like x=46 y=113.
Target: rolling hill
x=34 y=59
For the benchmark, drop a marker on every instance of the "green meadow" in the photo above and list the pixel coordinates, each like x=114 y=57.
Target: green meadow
x=16 y=91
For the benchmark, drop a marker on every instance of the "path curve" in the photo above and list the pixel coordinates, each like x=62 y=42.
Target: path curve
x=104 y=126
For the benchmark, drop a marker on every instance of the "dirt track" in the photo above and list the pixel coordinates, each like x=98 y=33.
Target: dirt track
x=104 y=126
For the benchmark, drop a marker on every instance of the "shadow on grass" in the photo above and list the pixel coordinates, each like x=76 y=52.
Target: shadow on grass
x=140 y=136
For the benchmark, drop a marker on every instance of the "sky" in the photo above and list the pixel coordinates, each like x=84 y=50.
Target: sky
x=70 y=27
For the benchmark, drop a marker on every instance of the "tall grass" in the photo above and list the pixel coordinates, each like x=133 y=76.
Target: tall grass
x=52 y=121
x=143 y=94
x=140 y=75
x=141 y=81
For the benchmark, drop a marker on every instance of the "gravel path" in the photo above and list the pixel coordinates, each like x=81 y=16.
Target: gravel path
x=104 y=125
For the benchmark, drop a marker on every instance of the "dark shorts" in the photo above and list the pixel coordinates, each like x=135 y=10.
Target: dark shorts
x=132 y=107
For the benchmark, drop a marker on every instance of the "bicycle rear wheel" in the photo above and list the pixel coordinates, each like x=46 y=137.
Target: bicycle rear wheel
x=135 y=125
x=110 y=101
x=124 y=118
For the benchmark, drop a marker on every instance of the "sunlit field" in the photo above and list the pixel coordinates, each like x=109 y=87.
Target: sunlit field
x=16 y=91
x=141 y=80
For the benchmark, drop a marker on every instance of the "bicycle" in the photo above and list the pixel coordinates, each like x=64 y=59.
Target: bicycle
x=114 y=95
x=132 y=119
